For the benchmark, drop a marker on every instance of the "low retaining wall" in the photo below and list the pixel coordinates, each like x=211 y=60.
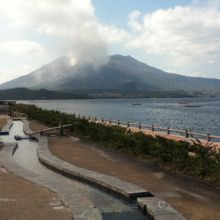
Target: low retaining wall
x=157 y=209
x=109 y=183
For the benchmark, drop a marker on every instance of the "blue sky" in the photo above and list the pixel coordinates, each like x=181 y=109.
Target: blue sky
x=180 y=36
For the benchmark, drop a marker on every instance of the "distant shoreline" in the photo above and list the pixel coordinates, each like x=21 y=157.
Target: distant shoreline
x=43 y=94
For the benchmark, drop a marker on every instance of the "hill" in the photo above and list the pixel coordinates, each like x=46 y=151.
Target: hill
x=122 y=73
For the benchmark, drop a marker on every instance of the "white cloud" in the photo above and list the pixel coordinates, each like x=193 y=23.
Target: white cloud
x=7 y=74
x=73 y=21
x=47 y=15
x=21 y=48
x=197 y=74
x=113 y=34
x=134 y=21
x=187 y=35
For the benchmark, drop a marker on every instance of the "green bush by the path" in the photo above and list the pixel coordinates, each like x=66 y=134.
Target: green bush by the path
x=193 y=160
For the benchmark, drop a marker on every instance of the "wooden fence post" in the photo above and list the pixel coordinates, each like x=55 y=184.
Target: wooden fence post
x=152 y=128
x=208 y=137
x=186 y=133
x=61 y=128
x=139 y=125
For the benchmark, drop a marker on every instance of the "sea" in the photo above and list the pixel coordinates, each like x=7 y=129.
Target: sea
x=201 y=115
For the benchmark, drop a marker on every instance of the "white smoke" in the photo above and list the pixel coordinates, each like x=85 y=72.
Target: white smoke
x=72 y=21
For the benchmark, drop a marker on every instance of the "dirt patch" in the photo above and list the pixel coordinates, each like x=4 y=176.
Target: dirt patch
x=3 y=121
x=36 y=126
x=195 y=200
x=23 y=200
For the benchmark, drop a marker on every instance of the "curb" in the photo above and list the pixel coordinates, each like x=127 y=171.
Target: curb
x=126 y=190
x=157 y=209
x=154 y=207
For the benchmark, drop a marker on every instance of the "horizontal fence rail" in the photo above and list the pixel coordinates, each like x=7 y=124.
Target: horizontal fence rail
x=51 y=129
x=187 y=133
x=6 y=110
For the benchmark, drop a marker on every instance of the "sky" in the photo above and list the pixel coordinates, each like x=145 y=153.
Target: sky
x=179 y=36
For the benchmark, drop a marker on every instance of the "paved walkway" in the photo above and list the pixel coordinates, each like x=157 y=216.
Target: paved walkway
x=85 y=202
x=22 y=200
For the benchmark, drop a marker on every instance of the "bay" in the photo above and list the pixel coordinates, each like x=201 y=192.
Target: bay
x=199 y=114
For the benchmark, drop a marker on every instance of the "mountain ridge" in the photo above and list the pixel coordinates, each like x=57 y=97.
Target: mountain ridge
x=42 y=94
x=122 y=73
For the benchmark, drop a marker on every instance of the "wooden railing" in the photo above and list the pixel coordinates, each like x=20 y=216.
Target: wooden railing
x=60 y=128
x=5 y=110
x=187 y=133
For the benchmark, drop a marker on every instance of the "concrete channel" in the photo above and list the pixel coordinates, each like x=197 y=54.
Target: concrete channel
x=86 y=202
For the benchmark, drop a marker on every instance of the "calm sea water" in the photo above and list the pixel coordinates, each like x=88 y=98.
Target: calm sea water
x=204 y=118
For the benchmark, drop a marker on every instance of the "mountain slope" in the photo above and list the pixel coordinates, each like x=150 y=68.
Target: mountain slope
x=121 y=73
